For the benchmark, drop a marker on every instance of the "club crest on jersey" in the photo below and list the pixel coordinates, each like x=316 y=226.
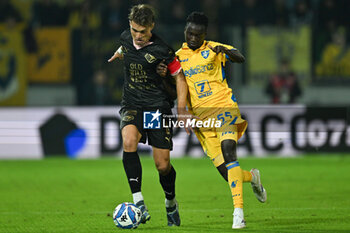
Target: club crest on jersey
x=150 y=58
x=205 y=54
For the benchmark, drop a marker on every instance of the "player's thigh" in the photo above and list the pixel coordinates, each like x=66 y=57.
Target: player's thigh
x=131 y=137
x=232 y=126
x=211 y=145
x=131 y=128
x=160 y=138
x=227 y=132
x=232 y=131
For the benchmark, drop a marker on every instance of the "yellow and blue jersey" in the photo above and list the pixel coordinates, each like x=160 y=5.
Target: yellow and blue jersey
x=205 y=76
x=211 y=97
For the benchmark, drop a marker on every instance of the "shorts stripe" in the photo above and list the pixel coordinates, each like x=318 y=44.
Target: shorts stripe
x=233 y=121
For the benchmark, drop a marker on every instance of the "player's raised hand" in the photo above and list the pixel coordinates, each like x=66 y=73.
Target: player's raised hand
x=162 y=68
x=218 y=49
x=117 y=54
x=233 y=54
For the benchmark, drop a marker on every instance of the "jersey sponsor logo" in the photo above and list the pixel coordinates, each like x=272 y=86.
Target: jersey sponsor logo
x=205 y=94
x=184 y=60
x=150 y=58
x=205 y=54
x=151 y=120
x=203 y=88
x=198 y=69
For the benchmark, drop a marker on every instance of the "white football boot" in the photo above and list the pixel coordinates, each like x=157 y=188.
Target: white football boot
x=258 y=189
x=238 y=219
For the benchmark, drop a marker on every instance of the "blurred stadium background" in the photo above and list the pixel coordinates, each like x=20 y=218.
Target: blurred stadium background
x=58 y=94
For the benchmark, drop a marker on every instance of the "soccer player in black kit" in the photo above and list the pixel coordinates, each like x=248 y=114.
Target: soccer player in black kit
x=145 y=91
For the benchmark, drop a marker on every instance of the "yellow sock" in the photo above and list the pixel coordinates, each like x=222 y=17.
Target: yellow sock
x=235 y=180
x=247 y=176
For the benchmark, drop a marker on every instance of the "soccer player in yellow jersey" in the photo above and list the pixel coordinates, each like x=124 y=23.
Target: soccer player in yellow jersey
x=210 y=97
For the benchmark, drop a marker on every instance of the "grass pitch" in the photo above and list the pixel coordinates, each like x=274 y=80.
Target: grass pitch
x=307 y=194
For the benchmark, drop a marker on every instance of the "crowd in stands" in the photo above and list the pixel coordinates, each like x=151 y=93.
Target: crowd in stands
x=110 y=16
x=107 y=19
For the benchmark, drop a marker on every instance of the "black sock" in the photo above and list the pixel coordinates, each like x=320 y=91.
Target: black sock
x=133 y=170
x=168 y=183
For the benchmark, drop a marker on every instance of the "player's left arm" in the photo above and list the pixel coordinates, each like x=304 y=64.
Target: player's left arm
x=182 y=92
x=168 y=81
x=233 y=54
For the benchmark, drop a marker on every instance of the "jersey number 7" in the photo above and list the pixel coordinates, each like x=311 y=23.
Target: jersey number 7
x=202 y=86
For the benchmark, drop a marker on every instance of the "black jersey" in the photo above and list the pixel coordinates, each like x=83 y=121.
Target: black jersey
x=143 y=87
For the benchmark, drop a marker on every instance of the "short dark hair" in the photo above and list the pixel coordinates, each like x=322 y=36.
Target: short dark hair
x=198 y=18
x=142 y=14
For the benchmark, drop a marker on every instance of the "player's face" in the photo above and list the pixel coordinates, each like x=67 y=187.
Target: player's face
x=194 y=35
x=140 y=34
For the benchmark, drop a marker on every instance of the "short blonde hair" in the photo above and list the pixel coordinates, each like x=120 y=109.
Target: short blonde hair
x=142 y=14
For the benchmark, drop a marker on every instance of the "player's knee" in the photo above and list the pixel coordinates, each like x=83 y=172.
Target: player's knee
x=228 y=148
x=130 y=144
x=163 y=167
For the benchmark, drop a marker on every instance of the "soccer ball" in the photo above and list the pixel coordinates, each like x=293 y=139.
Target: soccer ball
x=127 y=216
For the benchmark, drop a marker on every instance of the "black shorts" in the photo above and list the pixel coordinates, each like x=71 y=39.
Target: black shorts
x=159 y=138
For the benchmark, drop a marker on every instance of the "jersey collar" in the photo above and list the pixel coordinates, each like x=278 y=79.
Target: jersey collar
x=140 y=47
x=185 y=46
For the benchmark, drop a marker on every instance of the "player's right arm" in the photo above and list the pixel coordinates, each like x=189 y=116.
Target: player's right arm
x=117 y=54
x=233 y=54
